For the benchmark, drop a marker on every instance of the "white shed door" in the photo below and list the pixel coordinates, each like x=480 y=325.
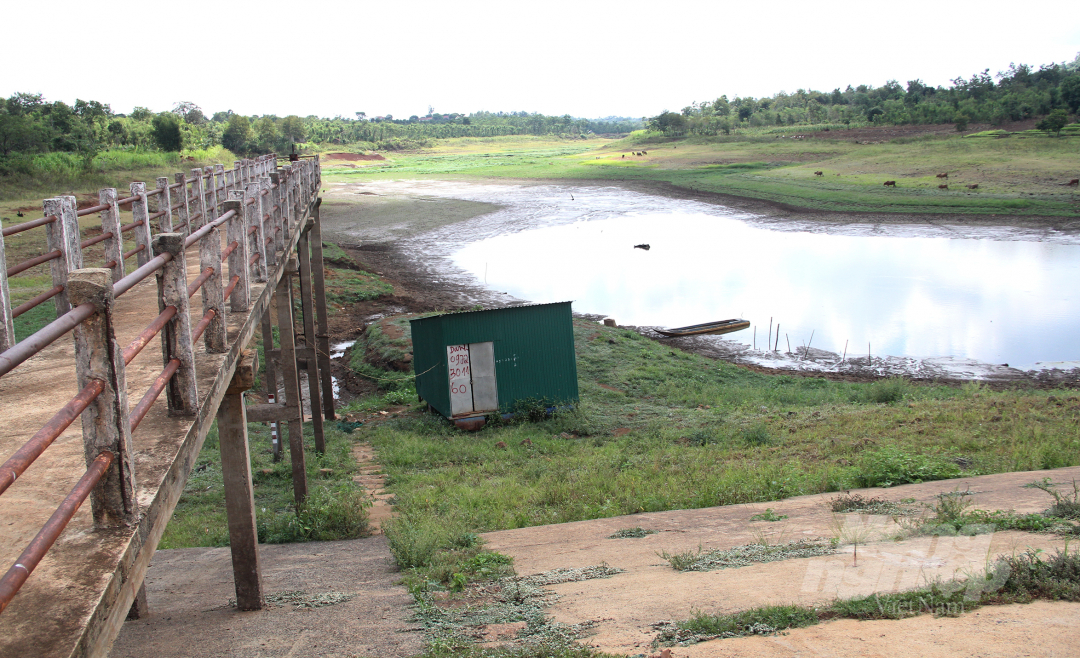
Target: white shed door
x=471 y=370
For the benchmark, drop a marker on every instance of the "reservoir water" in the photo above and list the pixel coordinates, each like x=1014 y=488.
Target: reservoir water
x=995 y=295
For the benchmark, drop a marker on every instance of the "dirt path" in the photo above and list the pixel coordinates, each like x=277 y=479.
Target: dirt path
x=627 y=605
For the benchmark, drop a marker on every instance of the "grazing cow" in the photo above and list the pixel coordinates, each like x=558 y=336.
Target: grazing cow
x=644 y=152
x=19 y=213
x=819 y=173
x=642 y=246
x=943 y=187
x=943 y=175
x=1074 y=182
x=890 y=183
x=624 y=156
x=974 y=186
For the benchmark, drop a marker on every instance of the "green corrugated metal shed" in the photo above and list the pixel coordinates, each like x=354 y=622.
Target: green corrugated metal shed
x=530 y=350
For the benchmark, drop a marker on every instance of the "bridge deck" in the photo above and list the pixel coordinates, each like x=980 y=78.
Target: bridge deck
x=78 y=597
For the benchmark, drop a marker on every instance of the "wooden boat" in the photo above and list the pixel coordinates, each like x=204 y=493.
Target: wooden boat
x=718 y=327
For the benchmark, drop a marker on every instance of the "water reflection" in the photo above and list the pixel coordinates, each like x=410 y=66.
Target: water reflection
x=994 y=301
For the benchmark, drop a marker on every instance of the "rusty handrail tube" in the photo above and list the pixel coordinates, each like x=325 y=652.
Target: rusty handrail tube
x=254 y=258
x=253 y=229
x=147 y=335
x=229 y=249
x=130 y=281
x=155 y=215
x=26 y=226
x=34 y=262
x=197 y=235
x=197 y=331
x=46 y=537
x=42 y=338
x=40 y=299
x=96 y=239
x=139 y=412
x=154 y=192
x=92 y=209
x=129 y=254
x=194 y=286
x=17 y=464
x=232 y=284
x=131 y=227
x=127 y=201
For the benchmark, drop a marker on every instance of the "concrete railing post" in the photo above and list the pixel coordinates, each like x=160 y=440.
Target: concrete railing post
x=239 y=494
x=110 y=223
x=253 y=219
x=198 y=216
x=293 y=407
x=105 y=423
x=285 y=195
x=140 y=213
x=304 y=256
x=183 y=213
x=238 y=259
x=238 y=175
x=277 y=212
x=271 y=381
x=63 y=235
x=7 y=325
x=266 y=219
x=182 y=393
x=219 y=188
x=208 y=194
x=215 y=337
x=164 y=204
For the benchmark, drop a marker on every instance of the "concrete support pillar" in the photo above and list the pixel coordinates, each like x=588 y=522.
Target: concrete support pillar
x=322 y=329
x=239 y=495
x=306 y=303
x=294 y=408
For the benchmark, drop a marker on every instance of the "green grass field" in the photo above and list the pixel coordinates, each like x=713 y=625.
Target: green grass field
x=1017 y=176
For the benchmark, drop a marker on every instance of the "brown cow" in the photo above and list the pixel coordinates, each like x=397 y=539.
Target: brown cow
x=644 y=152
x=973 y=187
x=943 y=187
x=890 y=183
x=819 y=173
x=1075 y=181
x=943 y=175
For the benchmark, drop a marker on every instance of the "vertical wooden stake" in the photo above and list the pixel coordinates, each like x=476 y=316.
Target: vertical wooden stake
x=239 y=495
x=776 y=345
x=105 y=422
x=293 y=407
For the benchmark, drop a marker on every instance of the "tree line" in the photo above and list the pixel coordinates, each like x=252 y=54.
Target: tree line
x=31 y=125
x=1021 y=92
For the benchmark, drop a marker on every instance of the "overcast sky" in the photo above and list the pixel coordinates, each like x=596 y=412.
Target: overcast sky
x=584 y=58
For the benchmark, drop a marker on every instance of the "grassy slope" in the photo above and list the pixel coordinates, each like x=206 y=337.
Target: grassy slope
x=682 y=431
x=1017 y=176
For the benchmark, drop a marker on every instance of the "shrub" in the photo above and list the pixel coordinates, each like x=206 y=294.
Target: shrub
x=889 y=466
x=328 y=514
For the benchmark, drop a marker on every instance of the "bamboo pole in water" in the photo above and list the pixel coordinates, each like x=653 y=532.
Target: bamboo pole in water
x=845 y=351
x=777 y=345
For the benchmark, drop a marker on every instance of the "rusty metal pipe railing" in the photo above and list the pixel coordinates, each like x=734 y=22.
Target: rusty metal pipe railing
x=154 y=192
x=26 y=226
x=232 y=284
x=198 y=235
x=147 y=335
x=46 y=537
x=197 y=332
x=34 y=262
x=96 y=239
x=194 y=286
x=43 y=337
x=155 y=215
x=17 y=464
x=139 y=412
x=229 y=249
x=129 y=254
x=131 y=280
x=92 y=209
x=43 y=297
x=131 y=227
x=254 y=258
x=127 y=201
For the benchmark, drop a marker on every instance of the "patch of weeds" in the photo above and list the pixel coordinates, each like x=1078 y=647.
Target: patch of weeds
x=890 y=466
x=757 y=435
x=1015 y=579
x=768 y=515
x=632 y=533
x=743 y=556
x=456 y=624
x=300 y=600
x=884 y=391
x=329 y=513
x=848 y=502
x=952 y=515
x=1065 y=506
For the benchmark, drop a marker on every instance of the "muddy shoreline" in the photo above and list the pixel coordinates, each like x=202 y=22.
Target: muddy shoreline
x=371 y=228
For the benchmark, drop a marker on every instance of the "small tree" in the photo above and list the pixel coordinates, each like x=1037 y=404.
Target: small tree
x=1054 y=122
x=237 y=134
x=166 y=132
x=961 y=121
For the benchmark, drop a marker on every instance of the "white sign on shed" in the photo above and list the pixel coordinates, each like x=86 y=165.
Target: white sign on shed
x=471 y=369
